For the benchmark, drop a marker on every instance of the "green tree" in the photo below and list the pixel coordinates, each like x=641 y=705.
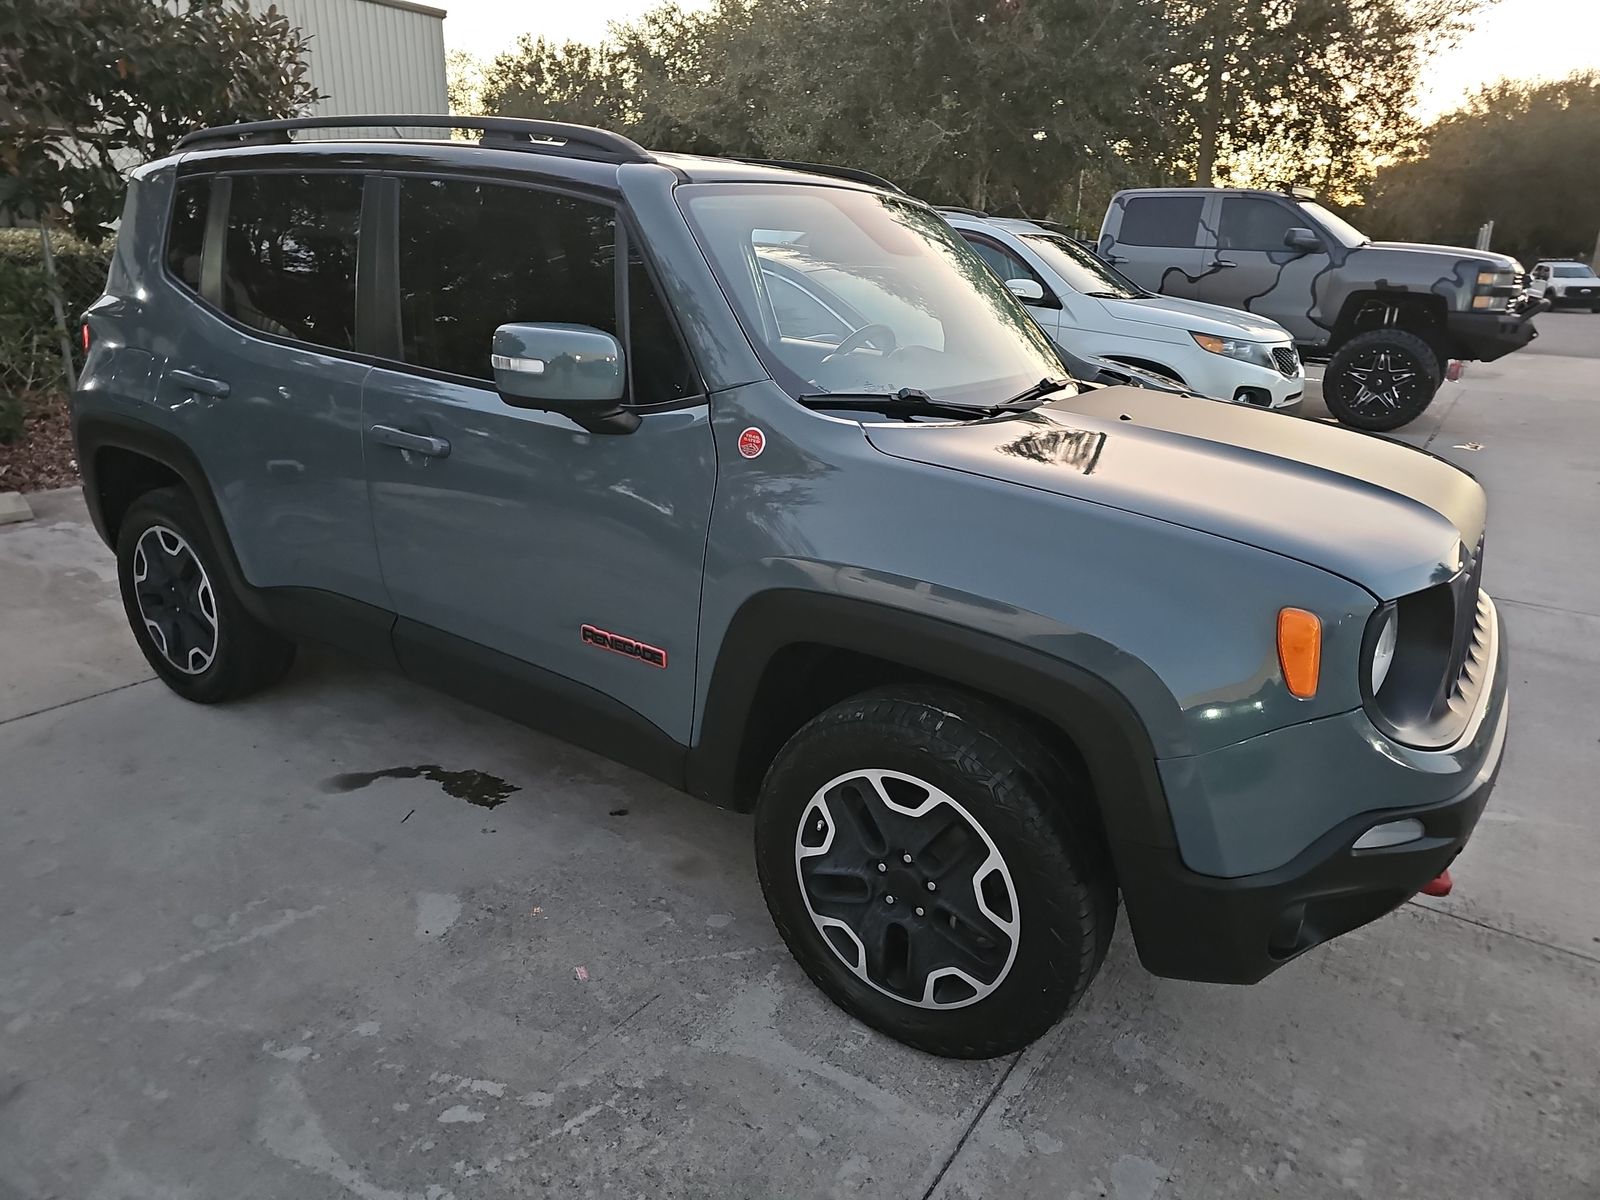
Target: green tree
x=463 y=74
x=993 y=103
x=89 y=88
x=1524 y=155
x=1309 y=90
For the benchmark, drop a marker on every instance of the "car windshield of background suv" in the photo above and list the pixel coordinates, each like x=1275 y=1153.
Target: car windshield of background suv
x=1573 y=272
x=848 y=291
x=1080 y=270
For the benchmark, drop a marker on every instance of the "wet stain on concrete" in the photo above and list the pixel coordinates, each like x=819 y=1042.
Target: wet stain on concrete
x=475 y=787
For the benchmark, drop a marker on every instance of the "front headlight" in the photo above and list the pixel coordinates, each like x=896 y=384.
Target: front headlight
x=1383 y=649
x=1250 y=352
x=1494 y=290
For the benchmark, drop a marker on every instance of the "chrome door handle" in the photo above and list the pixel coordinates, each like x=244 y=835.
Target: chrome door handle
x=417 y=443
x=203 y=384
x=1224 y=262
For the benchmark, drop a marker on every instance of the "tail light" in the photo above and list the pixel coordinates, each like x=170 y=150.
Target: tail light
x=86 y=337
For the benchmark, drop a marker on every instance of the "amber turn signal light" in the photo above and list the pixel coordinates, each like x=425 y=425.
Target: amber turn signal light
x=1300 y=650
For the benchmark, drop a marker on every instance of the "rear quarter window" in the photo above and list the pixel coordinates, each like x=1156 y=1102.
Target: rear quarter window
x=1161 y=221
x=186 y=232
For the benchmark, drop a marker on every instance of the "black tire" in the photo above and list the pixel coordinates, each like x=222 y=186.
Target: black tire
x=1013 y=797
x=1381 y=380
x=1595 y=307
x=198 y=637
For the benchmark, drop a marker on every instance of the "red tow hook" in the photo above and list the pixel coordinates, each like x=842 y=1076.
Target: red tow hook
x=1440 y=886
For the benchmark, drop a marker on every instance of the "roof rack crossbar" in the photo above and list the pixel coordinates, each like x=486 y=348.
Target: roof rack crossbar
x=516 y=133
x=850 y=173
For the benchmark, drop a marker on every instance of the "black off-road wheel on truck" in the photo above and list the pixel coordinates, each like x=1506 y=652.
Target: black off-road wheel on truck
x=188 y=621
x=936 y=869
x=1381 y=380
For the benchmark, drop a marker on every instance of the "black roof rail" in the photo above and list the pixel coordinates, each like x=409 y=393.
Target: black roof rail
x=504 y=133
x=850 y=173
x=956 y=208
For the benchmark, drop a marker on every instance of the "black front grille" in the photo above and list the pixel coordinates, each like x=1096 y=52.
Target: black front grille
x=1288 y=361
x=1465 y=588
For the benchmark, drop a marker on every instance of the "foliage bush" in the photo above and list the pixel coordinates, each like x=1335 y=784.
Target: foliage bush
x=30 y=345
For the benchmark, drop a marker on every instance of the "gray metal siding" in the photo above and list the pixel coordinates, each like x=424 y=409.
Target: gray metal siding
x=372 y=57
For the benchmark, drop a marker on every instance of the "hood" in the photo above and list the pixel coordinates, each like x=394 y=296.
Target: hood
x=1379 y=513
x=1503 y=261
x=1194 y=317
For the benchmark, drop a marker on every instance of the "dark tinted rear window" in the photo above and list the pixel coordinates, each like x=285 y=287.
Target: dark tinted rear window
x=290 y=264
x=1161 y=221
x=187 y=233
x=474 y=256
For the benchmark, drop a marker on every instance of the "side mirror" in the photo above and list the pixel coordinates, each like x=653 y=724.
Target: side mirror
x=575 y=370
x=1303 y=240
x=1029 y=291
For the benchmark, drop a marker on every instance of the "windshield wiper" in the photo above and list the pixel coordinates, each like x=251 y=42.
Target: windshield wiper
x=909 y=402
x=1034 y=396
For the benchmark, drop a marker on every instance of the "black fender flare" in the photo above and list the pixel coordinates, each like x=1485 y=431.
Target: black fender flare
x=1113 y=740
x=94 y=432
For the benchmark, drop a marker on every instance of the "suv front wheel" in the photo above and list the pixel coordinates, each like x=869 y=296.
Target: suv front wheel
x=193 y=630
x=933 y=868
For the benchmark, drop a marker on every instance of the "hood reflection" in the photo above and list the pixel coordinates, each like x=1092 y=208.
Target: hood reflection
x=1075 y=448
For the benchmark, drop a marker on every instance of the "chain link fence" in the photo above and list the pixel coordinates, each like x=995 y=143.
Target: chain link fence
x=47 y=279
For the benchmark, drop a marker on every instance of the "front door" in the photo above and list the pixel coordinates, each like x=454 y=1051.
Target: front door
x=513 y=530
x=1253 y=269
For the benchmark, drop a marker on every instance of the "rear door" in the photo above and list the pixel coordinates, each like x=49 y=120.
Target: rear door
x=261 y=373
x=1253 y=269
x=520 y=541
x=1008 y=264
x=1156 y=240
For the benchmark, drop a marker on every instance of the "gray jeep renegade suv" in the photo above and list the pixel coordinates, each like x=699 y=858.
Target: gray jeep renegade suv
x=535 y=419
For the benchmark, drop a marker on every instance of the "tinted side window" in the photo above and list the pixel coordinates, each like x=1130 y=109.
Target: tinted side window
x=289 y=267
x=660 y=369
x=1161 y=221
x=474 y=256
x=1254 y=223
x=1001 y=261
x=187 y=233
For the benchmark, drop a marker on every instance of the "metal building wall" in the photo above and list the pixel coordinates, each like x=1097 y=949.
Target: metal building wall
x=373 y=56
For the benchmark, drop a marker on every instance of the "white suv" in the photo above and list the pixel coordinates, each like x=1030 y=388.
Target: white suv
x=1566 y=282
x=1092 y=310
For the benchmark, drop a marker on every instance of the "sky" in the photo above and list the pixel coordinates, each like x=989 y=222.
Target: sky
x=1518 y=38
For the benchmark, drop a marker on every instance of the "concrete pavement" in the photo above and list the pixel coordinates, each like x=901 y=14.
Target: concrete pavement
x=228 y=970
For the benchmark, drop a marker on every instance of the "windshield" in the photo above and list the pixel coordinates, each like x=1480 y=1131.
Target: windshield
x=1080 y=270
x=848 y=291
x=1336 y=226
x=1572 y=272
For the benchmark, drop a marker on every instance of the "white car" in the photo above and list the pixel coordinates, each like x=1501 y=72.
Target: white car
x=1566 y=282
x=1094 y=311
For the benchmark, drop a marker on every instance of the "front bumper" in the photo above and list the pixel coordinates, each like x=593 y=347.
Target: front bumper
x=1267 y=387
x=1232 y=926
x=1583 y=297
x=1486 y=336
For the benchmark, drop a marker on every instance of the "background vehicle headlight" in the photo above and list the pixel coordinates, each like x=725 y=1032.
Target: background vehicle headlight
x=1250 y=352
x=1383 y=649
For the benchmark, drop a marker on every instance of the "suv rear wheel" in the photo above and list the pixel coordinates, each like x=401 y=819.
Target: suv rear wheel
x=1381 y=379
x=932 y=867
x=186 y=618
